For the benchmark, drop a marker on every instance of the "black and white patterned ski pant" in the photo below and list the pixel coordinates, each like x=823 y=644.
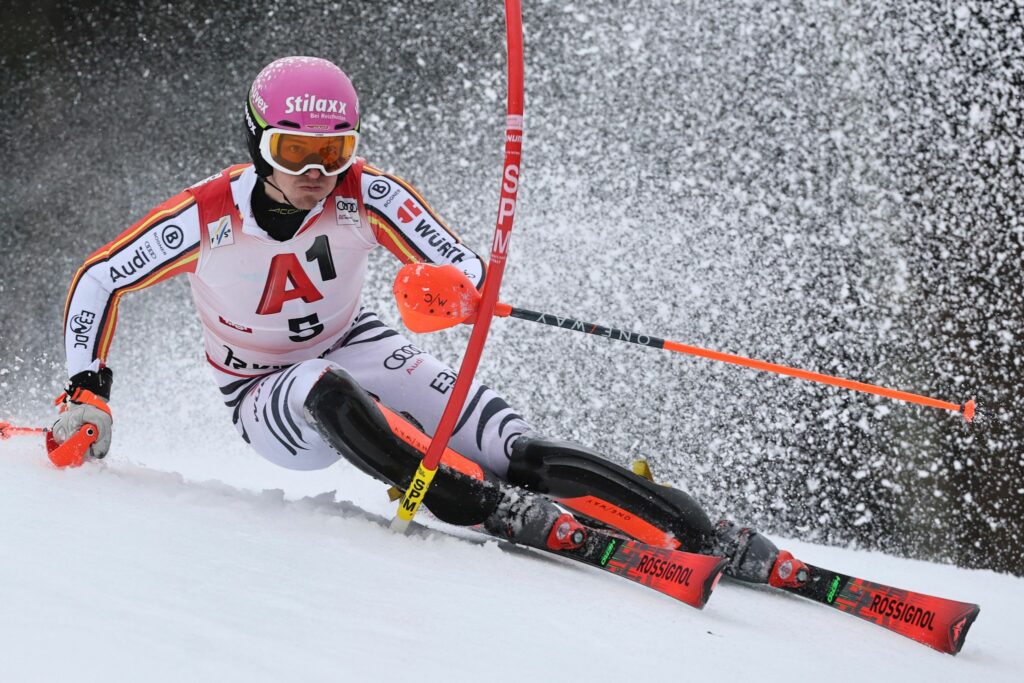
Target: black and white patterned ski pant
x=268 y=410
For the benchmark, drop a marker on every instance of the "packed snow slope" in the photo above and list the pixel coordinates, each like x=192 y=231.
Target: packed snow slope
x=120 y=572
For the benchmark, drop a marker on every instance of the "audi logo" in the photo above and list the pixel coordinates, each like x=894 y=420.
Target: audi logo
x=399 y=357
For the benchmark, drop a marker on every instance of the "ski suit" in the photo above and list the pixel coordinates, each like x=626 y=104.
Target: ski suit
x=287 y=339
x=276 y=315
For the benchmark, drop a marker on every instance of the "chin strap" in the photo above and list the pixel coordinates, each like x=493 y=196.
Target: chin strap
x=270 y=182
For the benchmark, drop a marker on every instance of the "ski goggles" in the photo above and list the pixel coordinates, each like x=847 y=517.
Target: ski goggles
x=295 y=153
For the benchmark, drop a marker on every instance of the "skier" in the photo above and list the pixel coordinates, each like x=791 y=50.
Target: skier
x=276 y=254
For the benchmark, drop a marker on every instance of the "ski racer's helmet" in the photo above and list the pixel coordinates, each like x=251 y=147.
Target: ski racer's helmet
x=301 y=113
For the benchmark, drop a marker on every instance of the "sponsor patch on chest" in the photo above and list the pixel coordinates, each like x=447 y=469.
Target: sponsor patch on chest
x=220 y=232
x=237 y=326
x=346 y=211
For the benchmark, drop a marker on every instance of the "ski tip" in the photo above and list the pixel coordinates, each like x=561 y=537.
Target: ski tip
x=712 y=582
x=968 y=410
x=958 y=629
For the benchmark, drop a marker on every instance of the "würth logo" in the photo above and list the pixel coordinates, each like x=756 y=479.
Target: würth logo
x=408 y=211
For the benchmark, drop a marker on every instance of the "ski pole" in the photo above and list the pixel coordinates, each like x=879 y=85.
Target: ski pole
x=7 y=430
x=427 y=468
x=431 y=298
x=71 y=453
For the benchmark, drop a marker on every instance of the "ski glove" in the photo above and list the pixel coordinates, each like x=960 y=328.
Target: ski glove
x=84 y=402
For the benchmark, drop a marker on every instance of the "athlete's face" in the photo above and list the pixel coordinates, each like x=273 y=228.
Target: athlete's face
x=303 y=191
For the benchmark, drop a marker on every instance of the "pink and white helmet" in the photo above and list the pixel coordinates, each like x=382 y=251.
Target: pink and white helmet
x=304 y=95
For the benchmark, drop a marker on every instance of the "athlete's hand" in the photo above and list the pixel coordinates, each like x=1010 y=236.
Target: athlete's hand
x=80 y=406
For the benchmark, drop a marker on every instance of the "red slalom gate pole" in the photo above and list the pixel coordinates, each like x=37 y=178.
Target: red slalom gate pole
x=414 y=495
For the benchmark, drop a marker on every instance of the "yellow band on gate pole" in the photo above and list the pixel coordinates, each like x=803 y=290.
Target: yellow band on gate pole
x=413 y=497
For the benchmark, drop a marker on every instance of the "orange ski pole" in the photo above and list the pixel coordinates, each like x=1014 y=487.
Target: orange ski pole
x=433 y=298
x=7 y=430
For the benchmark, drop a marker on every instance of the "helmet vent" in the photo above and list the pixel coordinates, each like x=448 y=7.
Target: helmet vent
x=339 y=126
x=290 y=124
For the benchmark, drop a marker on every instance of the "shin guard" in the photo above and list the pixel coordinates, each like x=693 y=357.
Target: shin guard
x=348 y=419
x=583 y=481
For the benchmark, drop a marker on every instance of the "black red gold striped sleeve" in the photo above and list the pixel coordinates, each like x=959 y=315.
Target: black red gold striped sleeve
x=408 y=227
x=163 y=244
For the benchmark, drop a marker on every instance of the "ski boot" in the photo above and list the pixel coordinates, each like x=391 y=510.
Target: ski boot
x=533 y=520
x=755 y=559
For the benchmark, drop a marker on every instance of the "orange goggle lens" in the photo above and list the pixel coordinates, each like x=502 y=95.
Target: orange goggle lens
x=296 y=152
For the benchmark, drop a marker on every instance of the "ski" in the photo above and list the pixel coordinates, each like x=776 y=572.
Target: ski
x=687 y=577
x=936 y=622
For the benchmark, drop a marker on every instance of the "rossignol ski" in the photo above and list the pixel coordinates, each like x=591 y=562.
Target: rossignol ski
x=936 y=622
x=537 y=522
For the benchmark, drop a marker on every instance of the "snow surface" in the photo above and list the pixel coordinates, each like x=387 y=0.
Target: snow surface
x=119 y=572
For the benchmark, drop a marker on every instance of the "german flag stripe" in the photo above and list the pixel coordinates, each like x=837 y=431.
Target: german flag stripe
x=170 y=209
x=108 y=319
x=181 y=264
x=406 y=251
x=411 y=190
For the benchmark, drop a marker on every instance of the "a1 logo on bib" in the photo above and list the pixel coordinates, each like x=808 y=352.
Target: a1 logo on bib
x=220 y=232
x=346 y=211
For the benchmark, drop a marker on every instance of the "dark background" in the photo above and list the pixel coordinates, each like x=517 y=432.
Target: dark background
x=835 y=186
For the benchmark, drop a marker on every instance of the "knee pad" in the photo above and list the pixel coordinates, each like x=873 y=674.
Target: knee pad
x=348 y=419
x=587 y=483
